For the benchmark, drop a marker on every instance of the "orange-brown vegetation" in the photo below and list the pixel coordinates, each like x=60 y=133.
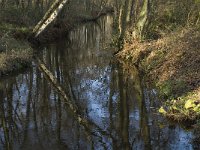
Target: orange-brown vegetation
x=172 y=63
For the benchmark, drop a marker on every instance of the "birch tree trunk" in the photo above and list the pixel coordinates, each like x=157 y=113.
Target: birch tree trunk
x=49 y=17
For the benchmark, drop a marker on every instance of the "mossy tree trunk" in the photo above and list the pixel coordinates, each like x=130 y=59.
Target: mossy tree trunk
x=135 y=15
x=129 y=10
x=122 y=22
x=142 y=21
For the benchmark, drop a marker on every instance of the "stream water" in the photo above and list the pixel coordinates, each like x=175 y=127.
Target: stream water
x=117 y=112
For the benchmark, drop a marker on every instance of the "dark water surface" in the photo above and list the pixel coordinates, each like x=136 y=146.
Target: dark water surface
x=114 y=112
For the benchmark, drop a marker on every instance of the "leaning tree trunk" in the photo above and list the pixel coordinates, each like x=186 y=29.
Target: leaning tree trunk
x=49 y=17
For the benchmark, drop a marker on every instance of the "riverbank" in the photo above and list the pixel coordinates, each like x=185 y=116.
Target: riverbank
x=16 y=52
x=70 y=20
x=171 y=64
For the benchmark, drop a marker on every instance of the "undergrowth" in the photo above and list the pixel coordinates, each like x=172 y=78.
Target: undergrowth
x=171 y=64
x=14 y=54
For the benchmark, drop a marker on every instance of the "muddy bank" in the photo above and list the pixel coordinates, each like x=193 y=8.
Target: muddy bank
x=171 y=64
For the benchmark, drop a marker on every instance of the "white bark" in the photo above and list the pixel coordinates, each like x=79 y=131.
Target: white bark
x=49 y=17
x=46 y=16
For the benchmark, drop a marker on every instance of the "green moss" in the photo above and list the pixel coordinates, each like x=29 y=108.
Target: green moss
x=165 y=89
x=171 y=89
x=183 y=108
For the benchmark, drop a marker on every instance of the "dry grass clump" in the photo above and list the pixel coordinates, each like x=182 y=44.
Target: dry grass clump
x=173 y=58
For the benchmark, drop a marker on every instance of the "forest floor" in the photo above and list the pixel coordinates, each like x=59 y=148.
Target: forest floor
x=172 y=65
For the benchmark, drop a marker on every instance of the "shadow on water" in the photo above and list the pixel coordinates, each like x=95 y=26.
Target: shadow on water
x=91 y=101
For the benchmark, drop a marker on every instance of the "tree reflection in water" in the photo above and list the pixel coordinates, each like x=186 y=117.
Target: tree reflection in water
x=116 y=111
